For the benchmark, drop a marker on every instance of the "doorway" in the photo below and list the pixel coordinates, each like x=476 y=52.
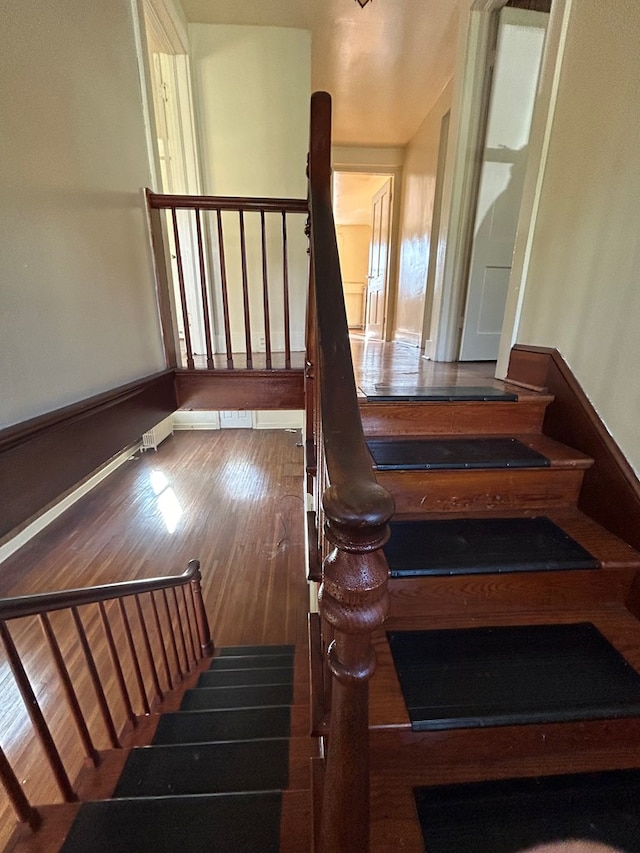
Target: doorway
x=363 y=213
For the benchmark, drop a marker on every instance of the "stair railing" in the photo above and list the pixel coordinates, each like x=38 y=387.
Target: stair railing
x=224 y=274
x=353 y=593
x=141 y=636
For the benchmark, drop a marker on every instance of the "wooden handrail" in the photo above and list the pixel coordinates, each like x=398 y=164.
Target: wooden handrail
x=165 y=201
x=353 y=594
x=46 y=602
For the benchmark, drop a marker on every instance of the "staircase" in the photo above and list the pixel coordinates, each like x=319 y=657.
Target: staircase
x=508 y=652
x=227 y=770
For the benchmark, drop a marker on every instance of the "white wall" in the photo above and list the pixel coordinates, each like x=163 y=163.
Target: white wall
x=78 y=313
x=418 y=192
x=252 y=88
x=582 y=292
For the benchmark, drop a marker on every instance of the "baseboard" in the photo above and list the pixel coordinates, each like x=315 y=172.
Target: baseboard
x=46 y=457
x=610 y=491
x=262 y=419
x=403 y=336
x=33 y=528
x=183 y=420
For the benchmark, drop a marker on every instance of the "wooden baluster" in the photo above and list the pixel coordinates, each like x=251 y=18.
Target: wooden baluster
x=353 y=600
x=95 y=679
x=192 y=644
x=225 y=293
x=285 y=294
x=147 y=646
x=172 y=634
x=117 y=666
x=245 y=293
x=265 y=292
x=37 y=717
x=161 y=640
x=204 y=634
x=134 y=657
x=181 y=634
x=23 y=808
x=69 y=692
x=203 y=290
x=183 y=293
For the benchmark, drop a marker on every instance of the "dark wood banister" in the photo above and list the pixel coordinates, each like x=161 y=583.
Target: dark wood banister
x=213 y=202
x=353 y=595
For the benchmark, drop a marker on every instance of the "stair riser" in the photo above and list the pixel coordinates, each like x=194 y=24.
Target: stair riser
x=433 y=758
x=404 y=419
x=508 y=592
x=422 y=492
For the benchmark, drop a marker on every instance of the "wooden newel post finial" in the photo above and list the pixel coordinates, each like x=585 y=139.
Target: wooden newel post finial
x=353 y=600
x=204 y=634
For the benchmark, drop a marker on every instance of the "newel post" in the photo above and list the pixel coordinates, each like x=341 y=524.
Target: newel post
x=204 y=633
x=353 y=599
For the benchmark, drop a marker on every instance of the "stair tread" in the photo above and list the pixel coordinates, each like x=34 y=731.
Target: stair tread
x=256 y=650
x=482 y=546
x=233 y=823
x=246 y=677
x=405 y=391
x=514 y=814
x=203 y=768
x=252 y=696
x=252 y=661
x=236 y=724
x=511 y=675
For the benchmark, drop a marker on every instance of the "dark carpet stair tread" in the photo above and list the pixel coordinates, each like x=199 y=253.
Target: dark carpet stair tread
x=454 y=453
x=512 y=675
x=403 y=391
x=251 y=696
x=482 y=545
x=205 y=768
x=252 y=662
x=256 y=650
x=239 y=677
x=518 y=814
x=235 y=724
x=233 y=823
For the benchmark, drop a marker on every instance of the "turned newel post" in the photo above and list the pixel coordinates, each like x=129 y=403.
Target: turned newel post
x=204 y=633
x=353 y=600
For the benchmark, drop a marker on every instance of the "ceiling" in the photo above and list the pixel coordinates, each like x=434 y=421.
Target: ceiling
x=384 y=65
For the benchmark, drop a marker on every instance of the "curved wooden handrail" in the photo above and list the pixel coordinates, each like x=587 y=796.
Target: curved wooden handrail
x=353 y=593
x=46 y=602
x=163 y=201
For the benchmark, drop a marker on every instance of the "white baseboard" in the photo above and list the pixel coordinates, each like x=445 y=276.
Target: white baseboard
x=403 y=336
x=42 y=521
x=196 y=420
x=263 y=419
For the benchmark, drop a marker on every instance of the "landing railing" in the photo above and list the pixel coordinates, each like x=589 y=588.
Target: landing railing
x=231 y=277
x=355 y=512
x=115 y=650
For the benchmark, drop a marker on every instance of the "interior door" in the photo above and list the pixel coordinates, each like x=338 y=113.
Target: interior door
x=517 y=66
x=378 y=275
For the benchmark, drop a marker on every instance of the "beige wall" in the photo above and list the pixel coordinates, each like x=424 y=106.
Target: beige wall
x=582 y=292
x=77 y=303
x=353 y=248
x=418 y=191
x=252 y=87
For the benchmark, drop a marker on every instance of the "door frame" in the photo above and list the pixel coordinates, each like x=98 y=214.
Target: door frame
x=388 y=162
x=468 y=119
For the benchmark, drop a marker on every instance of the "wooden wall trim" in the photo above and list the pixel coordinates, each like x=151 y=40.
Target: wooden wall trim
x=611 y=490
x=43 y=458
x=240 y=389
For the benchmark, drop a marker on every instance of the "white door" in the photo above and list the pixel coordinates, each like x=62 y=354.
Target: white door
x=378 y=276
x=517 y=66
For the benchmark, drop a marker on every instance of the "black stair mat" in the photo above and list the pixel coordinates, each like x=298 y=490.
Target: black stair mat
x=256 y=650
x=482 y=545
x=253 y=696
x=405 y=392
x=517 y=814
x=238 y=677
x=252 y=661
x=235 y=724
x=454 y=453
x=205 y=768
x=493 y=676
x=232 y=823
